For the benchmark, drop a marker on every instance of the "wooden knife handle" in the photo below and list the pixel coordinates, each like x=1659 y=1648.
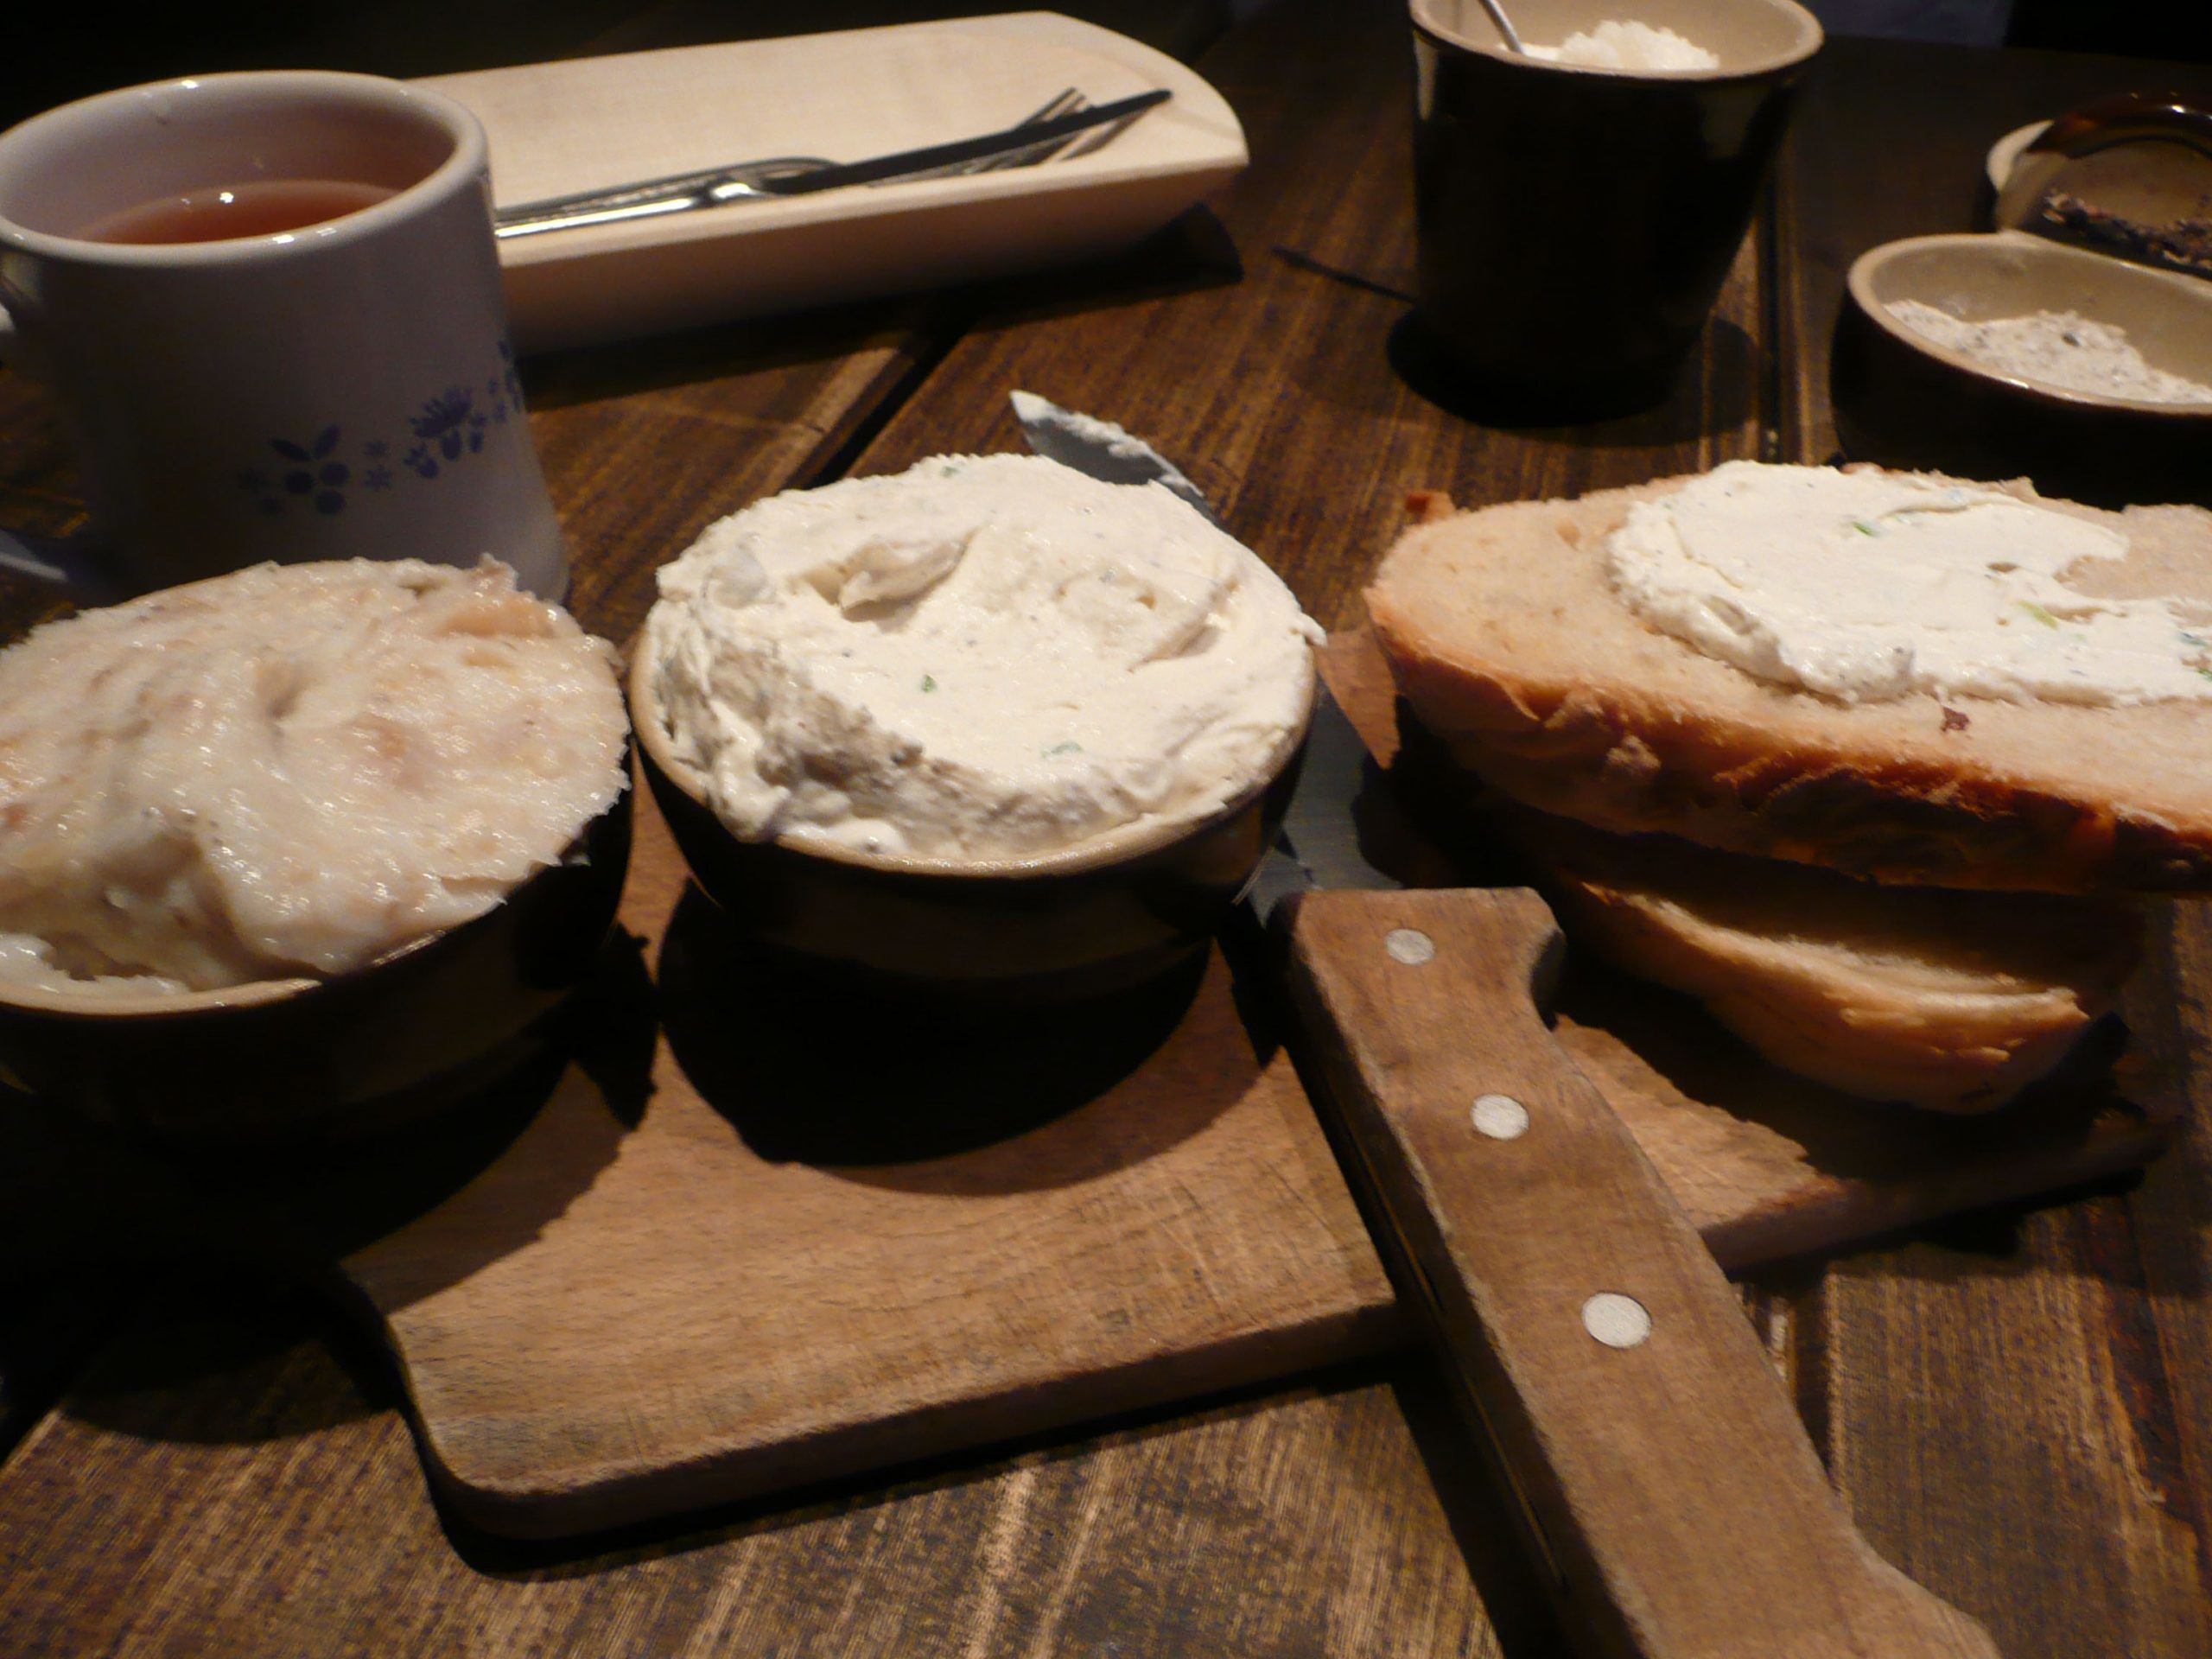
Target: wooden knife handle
x=1683 y=1508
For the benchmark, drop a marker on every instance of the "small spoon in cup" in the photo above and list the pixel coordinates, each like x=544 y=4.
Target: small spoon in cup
x=1505 y=27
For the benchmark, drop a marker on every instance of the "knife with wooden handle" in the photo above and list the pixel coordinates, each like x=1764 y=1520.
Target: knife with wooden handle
x=1672 y=1491
x=1682 y=1510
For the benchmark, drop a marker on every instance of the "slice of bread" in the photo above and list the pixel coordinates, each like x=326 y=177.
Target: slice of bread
x=1936 y=997
x=1508 y=640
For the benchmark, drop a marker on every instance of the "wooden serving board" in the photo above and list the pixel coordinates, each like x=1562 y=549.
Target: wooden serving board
x=795 y=1253
x=801 y=1240
x=745 y=1241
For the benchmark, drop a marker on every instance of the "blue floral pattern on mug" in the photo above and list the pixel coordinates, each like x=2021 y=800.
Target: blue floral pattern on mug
x=447 y=427
x=308 y=470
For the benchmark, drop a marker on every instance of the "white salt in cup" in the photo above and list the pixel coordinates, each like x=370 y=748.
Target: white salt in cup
x=336 y=390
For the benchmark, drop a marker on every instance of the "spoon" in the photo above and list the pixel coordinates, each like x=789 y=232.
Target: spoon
x=1505 y=27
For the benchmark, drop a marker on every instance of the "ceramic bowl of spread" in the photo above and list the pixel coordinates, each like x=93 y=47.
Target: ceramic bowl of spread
x=371 y=1049
x=989 y=726
x=1051 y=927
x=2129 y=176
x=303 y=850
x=2011 y=355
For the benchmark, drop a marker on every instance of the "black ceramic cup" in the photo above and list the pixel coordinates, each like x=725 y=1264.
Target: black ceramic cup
x=1576 y=223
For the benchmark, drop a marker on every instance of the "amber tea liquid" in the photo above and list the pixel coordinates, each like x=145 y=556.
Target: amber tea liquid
x=227 y=212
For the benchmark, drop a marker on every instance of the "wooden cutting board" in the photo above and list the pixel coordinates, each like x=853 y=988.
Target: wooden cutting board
x=745 y=1241
x=807 y=1240
x=804 y=1256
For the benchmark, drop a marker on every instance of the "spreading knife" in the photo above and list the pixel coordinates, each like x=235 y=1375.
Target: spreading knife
x=1676 y=1505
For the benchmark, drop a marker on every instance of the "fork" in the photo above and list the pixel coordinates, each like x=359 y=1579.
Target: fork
x=680 y=192
x=1067 y=103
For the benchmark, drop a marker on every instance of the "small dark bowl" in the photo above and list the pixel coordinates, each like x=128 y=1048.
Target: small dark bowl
x=305 y=1058
x=2129 y=176
x=1061 y=926
x=1575 y=223
x=1904 y=401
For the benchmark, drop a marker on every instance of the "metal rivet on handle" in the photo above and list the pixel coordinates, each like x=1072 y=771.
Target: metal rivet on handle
x=1615 y=1320
x=1500 y=1116
x=1409 y=946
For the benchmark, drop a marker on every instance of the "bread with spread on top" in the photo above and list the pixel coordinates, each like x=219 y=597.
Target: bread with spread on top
x=1942 y=998
x=1509 y=638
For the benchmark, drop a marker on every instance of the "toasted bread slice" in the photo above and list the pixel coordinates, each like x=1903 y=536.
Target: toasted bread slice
x=1508 y=640
x=1937 y=997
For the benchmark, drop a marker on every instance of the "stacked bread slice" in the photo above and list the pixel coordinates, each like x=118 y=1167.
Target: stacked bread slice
x=1923 y=898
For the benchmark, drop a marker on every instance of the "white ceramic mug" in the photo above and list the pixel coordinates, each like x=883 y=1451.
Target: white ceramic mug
x=338 y=389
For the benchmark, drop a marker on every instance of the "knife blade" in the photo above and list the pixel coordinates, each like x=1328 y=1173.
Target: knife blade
x=1101 y=449
x=1673 y=1497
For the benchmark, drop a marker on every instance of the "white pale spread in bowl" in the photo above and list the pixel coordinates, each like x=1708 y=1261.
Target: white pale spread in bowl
x=2058 y=348
x=292 y=770
x=1862 y=586
x=1635 y=48
x=979 y=657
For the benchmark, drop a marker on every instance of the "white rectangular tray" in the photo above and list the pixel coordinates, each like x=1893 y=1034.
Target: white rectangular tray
x=574 y=125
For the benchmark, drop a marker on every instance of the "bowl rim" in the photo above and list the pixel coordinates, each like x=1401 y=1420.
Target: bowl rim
x=2005 y=152
x=1811 y=37
x=252 y=994
x=1120 y=845
x=1858 y=286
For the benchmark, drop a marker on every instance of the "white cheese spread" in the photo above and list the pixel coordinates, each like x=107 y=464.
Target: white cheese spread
x=2059 y=348
x=979 y=657
x=288 y=771
x=1637 y=49
x=1864 y=586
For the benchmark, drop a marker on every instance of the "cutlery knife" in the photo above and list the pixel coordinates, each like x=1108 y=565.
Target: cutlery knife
x=1672 y=1496
x=683 y=192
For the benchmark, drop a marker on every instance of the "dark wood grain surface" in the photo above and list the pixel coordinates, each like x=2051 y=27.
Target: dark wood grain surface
x=1890 y=142
x=2031 y=1389
x=2019 y=1411
x=283 y=1513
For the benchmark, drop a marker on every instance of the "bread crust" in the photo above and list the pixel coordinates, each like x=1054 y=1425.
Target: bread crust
x=1946 y=1000
x=1506 y=639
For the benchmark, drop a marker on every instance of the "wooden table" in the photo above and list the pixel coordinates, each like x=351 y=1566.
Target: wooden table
x=2018 y=1409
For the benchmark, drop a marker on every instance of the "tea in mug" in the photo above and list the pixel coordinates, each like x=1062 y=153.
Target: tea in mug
x=226 y=212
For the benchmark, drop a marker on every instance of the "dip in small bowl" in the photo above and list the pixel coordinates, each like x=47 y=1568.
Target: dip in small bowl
x=2010 y=355
x=300 y=848
x=985 y=726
